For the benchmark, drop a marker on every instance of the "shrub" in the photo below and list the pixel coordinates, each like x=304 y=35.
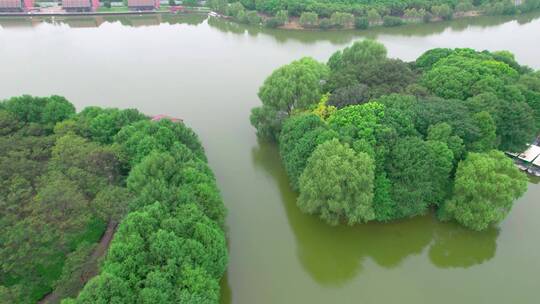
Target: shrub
x=309 y=19
x=361 y=23
x=390 y=21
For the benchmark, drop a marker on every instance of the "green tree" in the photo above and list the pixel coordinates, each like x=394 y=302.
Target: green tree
x=105 y=288
x=488 y=136
x=350 y=95
x=486 y=186
x=358 y=122
x=234 y=8
x=300 y=136
x=295 y=86
x=419 y=171
x=219 y=6
x=112 y=203
x=373 y=16
x=309 y=19
x=443 y=132
x=282 y=16
x=342 y=19
x=361 y=23
x=443 y=11
x=334 y=196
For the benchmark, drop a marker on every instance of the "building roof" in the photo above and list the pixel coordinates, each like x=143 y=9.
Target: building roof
x=140 y=3
x=162 y=116
x=76 y=3
x=532 y=153
x=10 y=3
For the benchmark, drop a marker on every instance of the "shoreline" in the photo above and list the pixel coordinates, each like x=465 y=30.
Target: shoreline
x=294 y=24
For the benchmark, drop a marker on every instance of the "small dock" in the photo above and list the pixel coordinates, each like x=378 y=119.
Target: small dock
x=528 y=160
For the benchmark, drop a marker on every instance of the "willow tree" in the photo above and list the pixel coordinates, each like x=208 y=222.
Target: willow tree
x=295 y=86
x=485 y=188
x=337 y=184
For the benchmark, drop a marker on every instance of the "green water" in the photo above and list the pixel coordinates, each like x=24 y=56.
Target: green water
x=208 y=72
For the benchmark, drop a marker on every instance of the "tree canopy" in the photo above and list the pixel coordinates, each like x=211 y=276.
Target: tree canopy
x=408 y=128
x=295 y=86
x=332 y=195
x=66 y=175
x=485 y=188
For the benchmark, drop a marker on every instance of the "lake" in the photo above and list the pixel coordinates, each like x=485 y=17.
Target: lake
x=207 y=72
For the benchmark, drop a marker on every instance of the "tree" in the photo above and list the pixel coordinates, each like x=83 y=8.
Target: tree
x=219 y=6
x=347 y=66
x=176 y=178
x=112 y=203
x=106 y=288
x=464 y=73
x=300 y=136
x=420 y=174
x=309 y=19
x=342 y=19
x=358 y=122
x=295 y=86
x=141 y=138
x=488 y=136
x=486 y=186
x=282 y=16
x=443 y=132
x=234 y=9
x=391 y=21
x=361 y=23
x=443 y=11
x=332 y=195
x=350 y=95
x=373 y=16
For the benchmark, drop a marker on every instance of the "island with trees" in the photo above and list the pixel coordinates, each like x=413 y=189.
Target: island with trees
x=66 y=176
x=361 y=14
x=366 y=138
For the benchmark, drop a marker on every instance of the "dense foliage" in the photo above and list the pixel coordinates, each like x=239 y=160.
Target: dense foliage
x=338 y=197
x=327 y=14
x=383 y=139
x=65 y=176
x=290 y=88
x=50 y=187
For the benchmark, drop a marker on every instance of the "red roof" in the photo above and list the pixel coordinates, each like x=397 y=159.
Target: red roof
x=162 y=116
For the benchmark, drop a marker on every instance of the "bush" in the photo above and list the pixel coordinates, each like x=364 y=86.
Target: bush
x=390 y=21
x=282 y=16
x=326 y=23
x=272 y=23
x=443 y=11
x=253 y=18
x=342 y=19
x=361 y=23
x=309 y=19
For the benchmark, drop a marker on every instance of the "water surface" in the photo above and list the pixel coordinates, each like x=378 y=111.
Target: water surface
x=208 y=72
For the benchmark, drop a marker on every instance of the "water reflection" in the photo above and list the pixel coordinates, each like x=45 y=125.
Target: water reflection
x=342 y=37
x=226 y=290
x=455 y=246
x=332 y=256
x=97 y=21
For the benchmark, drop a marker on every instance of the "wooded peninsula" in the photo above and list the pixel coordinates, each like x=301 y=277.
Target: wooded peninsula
x=65 y=176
